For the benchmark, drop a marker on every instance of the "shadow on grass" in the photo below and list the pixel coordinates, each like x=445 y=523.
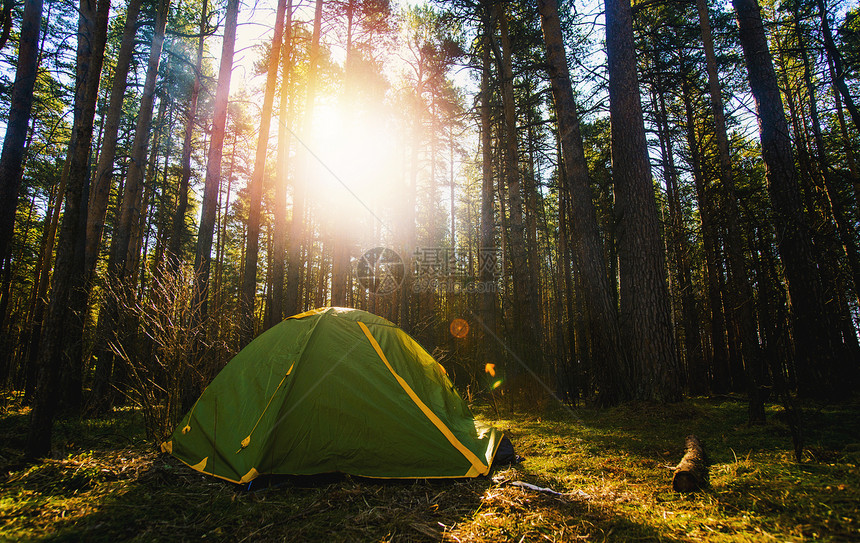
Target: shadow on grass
x=128 y=495
x=510 y=513
x=105 y=483
x=656 y=432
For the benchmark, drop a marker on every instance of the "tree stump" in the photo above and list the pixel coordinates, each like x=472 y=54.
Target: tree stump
x=691 y=473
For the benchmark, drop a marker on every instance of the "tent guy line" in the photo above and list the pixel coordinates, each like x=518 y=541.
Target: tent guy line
x=311 y=389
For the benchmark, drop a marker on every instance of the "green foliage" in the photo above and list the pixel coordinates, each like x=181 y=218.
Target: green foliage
x=105 y=483
x=849 y=37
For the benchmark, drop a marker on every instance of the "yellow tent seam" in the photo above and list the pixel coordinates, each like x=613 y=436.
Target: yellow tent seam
x=247 y=440
x=469 y=455
x=316 y=311
x=187 y=427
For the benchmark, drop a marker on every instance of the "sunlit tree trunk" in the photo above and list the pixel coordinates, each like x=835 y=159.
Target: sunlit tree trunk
x=741 y=293
x=103 y=179
x=610 y=360
x=129 y=216
x=63 y=325
x=174 y=251
x=816 y=354
x=248 y=294
x=646 y=322
x=205 y=232
x=279 y=241
x=300 y=180
x=17 y=123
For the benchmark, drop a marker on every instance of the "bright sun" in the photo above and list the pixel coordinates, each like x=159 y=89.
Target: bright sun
x=356 y=172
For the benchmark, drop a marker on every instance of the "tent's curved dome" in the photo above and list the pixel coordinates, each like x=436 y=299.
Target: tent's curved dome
x=333 y=390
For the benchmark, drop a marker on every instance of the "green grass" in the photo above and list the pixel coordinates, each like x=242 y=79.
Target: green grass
x=107 y=483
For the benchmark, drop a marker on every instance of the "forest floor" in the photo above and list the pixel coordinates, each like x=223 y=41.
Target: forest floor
x=106 y=482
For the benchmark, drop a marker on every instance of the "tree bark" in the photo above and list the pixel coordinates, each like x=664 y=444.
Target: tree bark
x=20 y=107
x=816 y=354
x=174 y=252
x=610 y=359
x=691 y=473
x=102 y=182
x=248 y=294
x=646 y=323
x=63 y=319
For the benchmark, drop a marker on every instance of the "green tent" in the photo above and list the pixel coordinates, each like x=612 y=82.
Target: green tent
x=333 y=390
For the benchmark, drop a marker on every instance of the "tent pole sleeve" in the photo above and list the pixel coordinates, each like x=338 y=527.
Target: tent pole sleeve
x=470 y=456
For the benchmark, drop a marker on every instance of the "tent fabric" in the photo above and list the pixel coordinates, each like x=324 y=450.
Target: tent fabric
x=333 y=390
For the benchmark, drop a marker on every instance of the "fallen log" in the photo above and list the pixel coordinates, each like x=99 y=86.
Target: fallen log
x=691 y=473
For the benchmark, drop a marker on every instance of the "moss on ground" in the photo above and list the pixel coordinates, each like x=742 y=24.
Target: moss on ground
x=106 y=482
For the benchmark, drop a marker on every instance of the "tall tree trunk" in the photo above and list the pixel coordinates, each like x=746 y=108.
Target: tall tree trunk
x=20 y=107
x=297 y=226
x=816 y=354
x=524 y=320
x=844 y=225
x=129 y=217
x=839 y=70
x=339 y=229
x=741 y=293
x=279 y=243
x=847 y=143
x=610 y=361
x=205 y=232
x=6 y=22
x=63 y=322
x=719 y=351
x=646 y=322
x=248 y=294
x=100 y=193
x=178 y=230
x=487 y=250
x=679 y=249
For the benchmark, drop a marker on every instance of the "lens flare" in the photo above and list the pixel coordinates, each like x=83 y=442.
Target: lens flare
x=459 y=328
